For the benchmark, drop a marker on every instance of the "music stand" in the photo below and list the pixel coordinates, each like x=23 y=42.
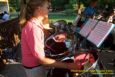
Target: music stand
x=88 y=27
x=100 y=32
x=86 y=30
x=97 y=35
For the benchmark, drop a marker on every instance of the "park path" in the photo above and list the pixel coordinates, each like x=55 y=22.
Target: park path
x=13 y=70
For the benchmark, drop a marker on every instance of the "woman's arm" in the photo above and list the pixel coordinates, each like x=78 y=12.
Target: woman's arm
x=53 y=63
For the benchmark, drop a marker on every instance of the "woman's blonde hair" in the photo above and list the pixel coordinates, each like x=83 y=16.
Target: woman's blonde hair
x=27 y=9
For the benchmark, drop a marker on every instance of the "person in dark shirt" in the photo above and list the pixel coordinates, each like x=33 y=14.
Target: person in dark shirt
x=90 y=10
x=56 y=46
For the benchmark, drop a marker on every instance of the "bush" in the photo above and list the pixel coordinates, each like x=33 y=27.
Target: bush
x=69 y=12
x=12 y=10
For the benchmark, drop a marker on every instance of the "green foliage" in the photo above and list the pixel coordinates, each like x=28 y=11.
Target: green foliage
x=59 y=4
x=71 y=4
x=69 y=12
x=71 y=7
x=57 y=16
x=12 y=10
x=110 y=2
x=85 y=2
x=15 y=4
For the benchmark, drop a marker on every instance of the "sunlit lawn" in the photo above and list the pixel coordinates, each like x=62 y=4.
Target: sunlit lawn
x=52 y=17
x=60 y=16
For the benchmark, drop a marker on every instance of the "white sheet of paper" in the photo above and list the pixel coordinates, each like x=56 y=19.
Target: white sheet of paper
x=87 y=28
x=100 y=32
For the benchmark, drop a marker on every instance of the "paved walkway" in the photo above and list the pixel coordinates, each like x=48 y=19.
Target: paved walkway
x=13 y=70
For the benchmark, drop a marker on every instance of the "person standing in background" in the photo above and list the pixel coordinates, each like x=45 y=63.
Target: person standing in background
x=90 y=11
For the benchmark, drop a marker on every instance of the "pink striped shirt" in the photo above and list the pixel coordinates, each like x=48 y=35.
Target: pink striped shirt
x=32 y=43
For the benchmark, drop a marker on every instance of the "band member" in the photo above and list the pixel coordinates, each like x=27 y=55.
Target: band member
x=33 y=15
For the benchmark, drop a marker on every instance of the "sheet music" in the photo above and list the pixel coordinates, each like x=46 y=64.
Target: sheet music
x=100 y=32
x=90 y=24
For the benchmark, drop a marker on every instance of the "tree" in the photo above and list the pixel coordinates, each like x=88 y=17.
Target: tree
x=15 y=4
x=59 y=4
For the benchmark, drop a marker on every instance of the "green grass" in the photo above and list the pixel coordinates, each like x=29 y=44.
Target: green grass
x=14 y=15
x=52 y=16
x=60 y=16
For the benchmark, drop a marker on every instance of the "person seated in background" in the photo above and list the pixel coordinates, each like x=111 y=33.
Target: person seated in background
x=59 y=25
x=55 y=46
x=89 y=12
x=5 y=16
x=1 y=15
x=111 y=16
